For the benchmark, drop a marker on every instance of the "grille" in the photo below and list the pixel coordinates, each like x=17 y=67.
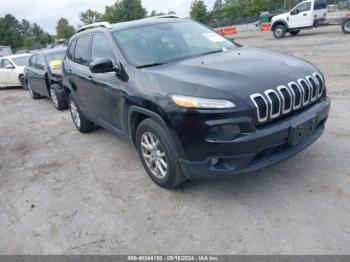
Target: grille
x=288 y=98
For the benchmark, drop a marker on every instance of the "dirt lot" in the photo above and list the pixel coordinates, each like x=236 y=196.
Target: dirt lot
x=62 y=192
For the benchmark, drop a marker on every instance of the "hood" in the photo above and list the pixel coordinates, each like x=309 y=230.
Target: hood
x=283 y=16
x=236 y=73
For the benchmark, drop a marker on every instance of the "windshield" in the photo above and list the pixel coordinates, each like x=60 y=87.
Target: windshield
x=22 y=60
x=163 y=43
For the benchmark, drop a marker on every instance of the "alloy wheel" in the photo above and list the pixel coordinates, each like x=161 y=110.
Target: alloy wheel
x=154 y=155
x=75 y=113
x=54 y=97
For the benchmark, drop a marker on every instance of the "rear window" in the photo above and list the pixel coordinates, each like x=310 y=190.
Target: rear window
x=70 y=53
x=21 y=61
x=82 y=48
x=56 y=56
x=320 y=4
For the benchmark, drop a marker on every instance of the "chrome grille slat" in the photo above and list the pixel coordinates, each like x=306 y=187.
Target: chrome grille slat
x=286 y=110
x=273 y=103
x=288 y=98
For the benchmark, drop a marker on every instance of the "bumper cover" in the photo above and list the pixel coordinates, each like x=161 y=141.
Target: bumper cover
x=272 y=146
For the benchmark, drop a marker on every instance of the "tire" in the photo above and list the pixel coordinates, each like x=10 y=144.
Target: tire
x=23 y=82
x=279 y=31
x=83 y=124
x=34 y=95
x=58 y=97
x=346 y=26
x=295 y=32
x=154 y=147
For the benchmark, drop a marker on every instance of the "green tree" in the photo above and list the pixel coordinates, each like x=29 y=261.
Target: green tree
x=63 y=29
x=113 y=13
x=90 y=16
x=133 y=10
x=199 y=11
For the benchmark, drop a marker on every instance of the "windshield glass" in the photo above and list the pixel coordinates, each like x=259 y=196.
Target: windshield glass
x=166 y=42
x=22 y=60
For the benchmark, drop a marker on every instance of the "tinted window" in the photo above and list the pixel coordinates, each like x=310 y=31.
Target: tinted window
x=32 y=61
x=70 y=54
x=303 y=7
x=100 y=48
x=82 y=48
x=40 y=63
x=59 y=55
x=320 y=4
x=21 y=61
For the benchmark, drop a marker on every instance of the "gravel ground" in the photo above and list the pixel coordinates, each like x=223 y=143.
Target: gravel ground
x=62 y=192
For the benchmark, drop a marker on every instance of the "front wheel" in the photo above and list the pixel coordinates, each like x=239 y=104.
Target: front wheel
x=346 y=26
x=157 y=156
x=58 y=97
x=279 y=31
x=295 y=32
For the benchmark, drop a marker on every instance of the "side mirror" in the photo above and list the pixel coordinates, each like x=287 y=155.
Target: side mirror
x=103 y=65
x=10 y=67
x=295 y=12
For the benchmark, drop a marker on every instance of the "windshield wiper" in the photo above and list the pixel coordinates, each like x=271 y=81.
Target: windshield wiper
x=212 y=52
x=150 y=65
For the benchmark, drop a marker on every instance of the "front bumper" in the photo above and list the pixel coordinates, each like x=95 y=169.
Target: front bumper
x=259 y=149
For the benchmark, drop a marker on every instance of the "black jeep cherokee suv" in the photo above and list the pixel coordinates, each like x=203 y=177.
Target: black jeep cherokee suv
x=195 y=105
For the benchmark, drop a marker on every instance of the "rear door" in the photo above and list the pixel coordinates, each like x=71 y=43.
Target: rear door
x=105 y=89
x=29 y=71
x=78 y=73
x=302 y=15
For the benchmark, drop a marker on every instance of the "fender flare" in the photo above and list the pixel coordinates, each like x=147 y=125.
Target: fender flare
x=278 y=22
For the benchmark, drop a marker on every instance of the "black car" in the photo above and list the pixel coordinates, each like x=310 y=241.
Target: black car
x=195 y=105
x=43 y=76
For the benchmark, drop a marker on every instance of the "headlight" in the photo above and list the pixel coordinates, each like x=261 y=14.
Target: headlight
x=204 y=103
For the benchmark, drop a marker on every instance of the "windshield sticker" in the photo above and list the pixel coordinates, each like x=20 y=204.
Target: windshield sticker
x=215 y=38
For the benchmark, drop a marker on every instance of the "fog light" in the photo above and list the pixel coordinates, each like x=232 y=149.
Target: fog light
x=214 y=161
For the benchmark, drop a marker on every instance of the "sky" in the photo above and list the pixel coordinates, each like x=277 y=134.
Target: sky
x=46 y=13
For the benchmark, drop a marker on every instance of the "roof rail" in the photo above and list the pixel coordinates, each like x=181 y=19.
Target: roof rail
x=95 y=25
x=162 y=16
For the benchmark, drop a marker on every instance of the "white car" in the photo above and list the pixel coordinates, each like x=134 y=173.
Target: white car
x=12 y=70
x=305 y=15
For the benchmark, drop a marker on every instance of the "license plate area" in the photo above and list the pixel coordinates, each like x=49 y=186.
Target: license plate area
x=301 y=130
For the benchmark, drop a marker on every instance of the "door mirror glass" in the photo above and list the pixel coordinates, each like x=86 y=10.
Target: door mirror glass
x=103 y=65
x=295 y=12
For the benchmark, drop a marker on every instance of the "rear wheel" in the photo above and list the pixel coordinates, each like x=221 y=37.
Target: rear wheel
x=83 y=124
x=346 y=26
x=22 y=81
x=58 y=97
x=34 y=95
x=279 y=31
x=154 y=147
x=295 y=32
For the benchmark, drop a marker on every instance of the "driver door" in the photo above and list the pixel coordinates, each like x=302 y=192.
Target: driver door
x=301 y=16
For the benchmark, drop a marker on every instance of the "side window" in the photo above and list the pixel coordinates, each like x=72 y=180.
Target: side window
x=1 y=62
x=101 y=48
x=6 y=63
x=70 y=54
x=320 y=4
x=40 y=63
x=32 y=61
x=303 y=7
x=82 y=48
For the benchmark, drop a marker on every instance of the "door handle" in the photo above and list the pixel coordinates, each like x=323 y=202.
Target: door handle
x=304 y=14
x=90 y=77
x=70 y=71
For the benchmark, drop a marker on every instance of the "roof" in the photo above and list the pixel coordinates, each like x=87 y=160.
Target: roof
x=15 y=56
x=53 y=50
x=147 y=21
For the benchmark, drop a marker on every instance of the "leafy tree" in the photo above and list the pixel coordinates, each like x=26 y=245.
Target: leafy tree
x=199 y=11
x=133 y=10
x=64 y=30
x=90 y=17
x=113 y=13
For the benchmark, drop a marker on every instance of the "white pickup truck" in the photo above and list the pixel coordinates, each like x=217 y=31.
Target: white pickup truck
x=306 y=15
